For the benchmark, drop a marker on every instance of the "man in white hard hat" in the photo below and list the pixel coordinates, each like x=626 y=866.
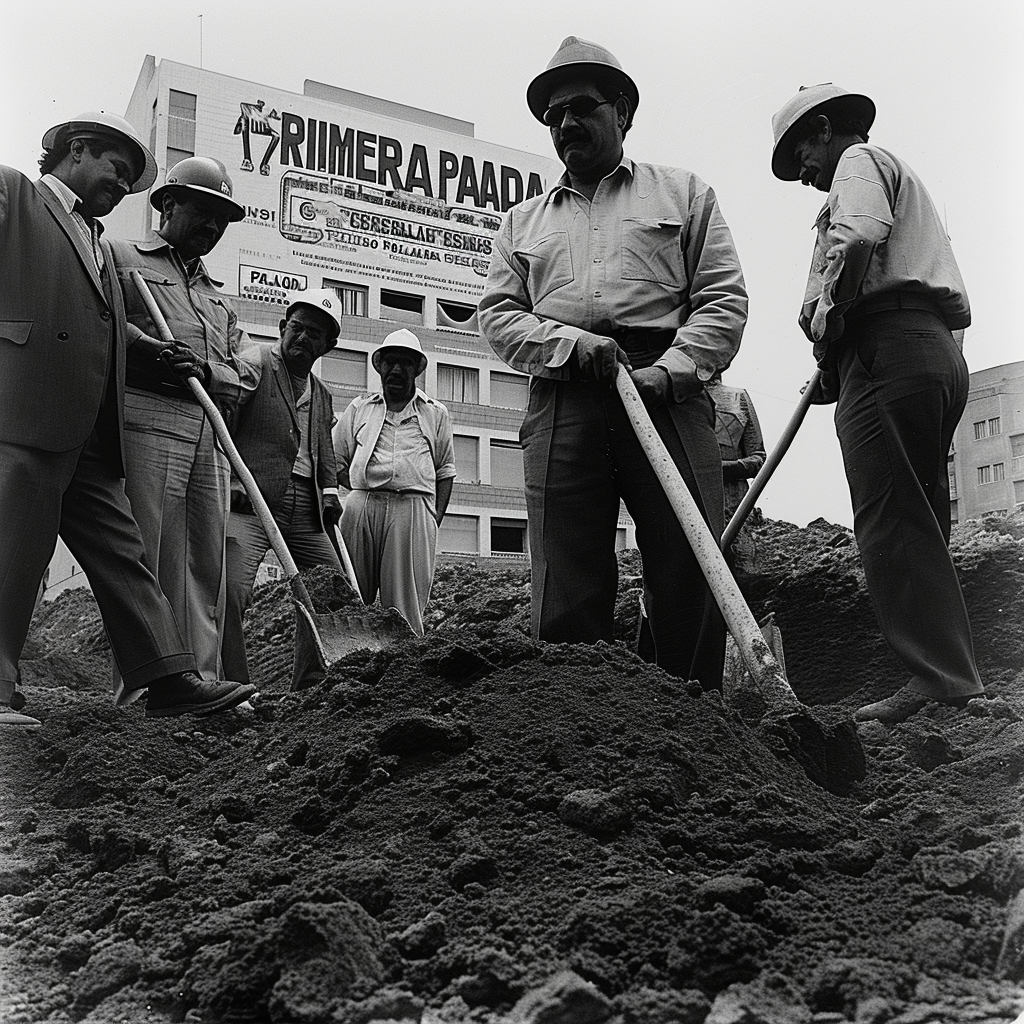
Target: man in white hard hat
x=283 y=433
x=885 y=308
x=397 y=457
x=177 y=479
x=619 y=264
x=62 y=365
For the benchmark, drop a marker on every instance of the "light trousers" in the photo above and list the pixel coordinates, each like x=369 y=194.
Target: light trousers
x=392 y=539
x=178 y=483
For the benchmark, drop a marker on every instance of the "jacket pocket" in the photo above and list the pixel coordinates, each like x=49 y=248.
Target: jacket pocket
x=651 y=251
x=16 y=331
x=548 y=264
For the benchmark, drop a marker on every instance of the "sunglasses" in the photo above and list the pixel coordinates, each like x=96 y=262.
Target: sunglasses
x=579 y=106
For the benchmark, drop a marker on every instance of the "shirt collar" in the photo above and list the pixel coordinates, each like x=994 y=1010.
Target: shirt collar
x=63 y=192
x=157 y=244
x=625 y=165
x=417 y=399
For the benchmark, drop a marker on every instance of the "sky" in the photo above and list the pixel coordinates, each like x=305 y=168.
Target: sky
x=947 y=79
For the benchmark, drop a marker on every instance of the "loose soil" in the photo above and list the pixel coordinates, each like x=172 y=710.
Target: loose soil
x=473 y=827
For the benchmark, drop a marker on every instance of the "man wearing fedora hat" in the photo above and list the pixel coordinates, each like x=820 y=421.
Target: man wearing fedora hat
x=177 y=479
x=396 y=456
x=283 y=433
x=619 y=264
x=62 y=366
x=885 y=308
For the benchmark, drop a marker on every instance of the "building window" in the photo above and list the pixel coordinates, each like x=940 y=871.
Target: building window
x=354 y=297
x=508 y=535
x=998 y=471
x=980 y=430
x=456 y=316
x=401 y=306
x=510 y=390
x=984 y=474
x=507 y=464
x=995 y=426
x=459 y=534
x=951 y=471
x=458 y=384
x=181 y=126
x=467 y=458
x=954 y=512
x=345 y=367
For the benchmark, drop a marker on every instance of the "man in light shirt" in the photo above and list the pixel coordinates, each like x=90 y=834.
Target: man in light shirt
x=618 y=264
x=396 y=456
x=283 y=433
x=62 y=369
x=885 y=308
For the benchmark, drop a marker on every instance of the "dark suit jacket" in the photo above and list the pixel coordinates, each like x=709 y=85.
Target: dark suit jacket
x=266 y=429
x=61 y=331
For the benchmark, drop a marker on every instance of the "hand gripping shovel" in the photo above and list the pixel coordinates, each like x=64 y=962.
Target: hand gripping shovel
x=757 y=485
x=319 y=638
x=831 y=756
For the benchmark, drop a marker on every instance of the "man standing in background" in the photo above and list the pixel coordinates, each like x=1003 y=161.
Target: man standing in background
x=397 y=457
x=283 y=433
x=739 y=440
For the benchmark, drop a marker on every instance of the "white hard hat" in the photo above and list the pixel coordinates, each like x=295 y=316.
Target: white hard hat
x=323 y=299
x=404 y=339
x=98 y=123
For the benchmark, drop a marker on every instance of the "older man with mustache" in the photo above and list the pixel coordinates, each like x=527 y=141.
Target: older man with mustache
x=619 y=264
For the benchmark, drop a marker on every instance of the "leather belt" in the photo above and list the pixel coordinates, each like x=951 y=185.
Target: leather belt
x=888 y=301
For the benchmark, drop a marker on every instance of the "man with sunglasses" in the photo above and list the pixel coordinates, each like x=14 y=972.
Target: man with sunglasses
x=619 y=264
x=177 y=479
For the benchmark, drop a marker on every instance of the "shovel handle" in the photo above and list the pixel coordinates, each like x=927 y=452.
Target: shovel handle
x=757 y=485
x=262 y=510
x=756 y=654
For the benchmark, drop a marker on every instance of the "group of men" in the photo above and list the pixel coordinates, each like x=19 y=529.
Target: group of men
x=620 y=267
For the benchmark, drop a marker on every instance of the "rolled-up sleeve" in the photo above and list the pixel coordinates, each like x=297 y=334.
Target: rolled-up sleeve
x=444 y=446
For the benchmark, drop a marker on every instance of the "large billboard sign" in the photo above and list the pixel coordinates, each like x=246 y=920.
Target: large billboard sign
x=341 y=194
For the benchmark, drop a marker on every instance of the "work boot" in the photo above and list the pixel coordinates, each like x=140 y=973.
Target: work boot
x=185 y=693
x=904 y=704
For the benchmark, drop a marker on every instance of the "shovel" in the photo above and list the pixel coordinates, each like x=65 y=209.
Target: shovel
x=830 y=755
x=757 y=485
x=319 y=638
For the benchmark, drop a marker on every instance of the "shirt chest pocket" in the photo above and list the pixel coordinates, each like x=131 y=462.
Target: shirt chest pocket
x=547 y=263
x=652 y=251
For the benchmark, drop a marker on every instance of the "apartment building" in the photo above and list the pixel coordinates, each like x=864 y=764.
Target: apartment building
x=986 y=462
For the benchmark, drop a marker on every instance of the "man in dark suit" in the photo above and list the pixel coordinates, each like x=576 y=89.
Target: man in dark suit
x=283 y=433
x=62 y=362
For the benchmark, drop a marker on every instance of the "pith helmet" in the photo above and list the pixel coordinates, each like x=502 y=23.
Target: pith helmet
x=96 y=123
x=577 y=56
x=403 y=339
x=324 y=300
x=825 y=99
x=203 y=175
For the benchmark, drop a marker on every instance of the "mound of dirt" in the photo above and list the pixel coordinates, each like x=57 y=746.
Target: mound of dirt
x=473 y=827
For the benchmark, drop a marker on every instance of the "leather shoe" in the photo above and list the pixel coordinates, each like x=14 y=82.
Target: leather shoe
x=185 y=693
x=16 y=720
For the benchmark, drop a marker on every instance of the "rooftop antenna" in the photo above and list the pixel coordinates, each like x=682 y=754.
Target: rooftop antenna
x=200 y=41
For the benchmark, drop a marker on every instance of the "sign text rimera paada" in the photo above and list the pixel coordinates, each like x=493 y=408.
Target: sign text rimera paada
x=313 y=145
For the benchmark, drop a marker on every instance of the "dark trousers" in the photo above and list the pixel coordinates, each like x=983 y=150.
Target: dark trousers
x=80 y=494
x=297 y=517
x=581 y=455
x=903 y=389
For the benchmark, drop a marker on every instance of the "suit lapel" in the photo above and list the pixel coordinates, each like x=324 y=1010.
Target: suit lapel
x=284 y=382
x=67 y=225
